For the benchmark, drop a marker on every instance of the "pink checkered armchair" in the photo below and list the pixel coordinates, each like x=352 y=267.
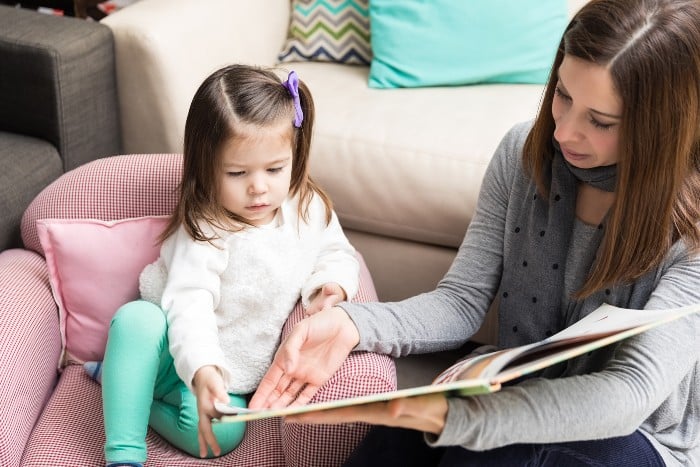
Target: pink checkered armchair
x=53 y=417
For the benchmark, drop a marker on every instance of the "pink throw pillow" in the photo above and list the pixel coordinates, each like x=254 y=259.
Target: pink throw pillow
x=94 y=268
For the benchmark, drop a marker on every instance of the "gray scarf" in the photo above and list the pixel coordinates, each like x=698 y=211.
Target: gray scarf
x=545 y=228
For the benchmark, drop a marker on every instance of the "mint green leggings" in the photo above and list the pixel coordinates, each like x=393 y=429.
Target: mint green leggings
x=140 y=387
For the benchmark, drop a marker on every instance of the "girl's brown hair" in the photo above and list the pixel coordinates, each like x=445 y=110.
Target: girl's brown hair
x=652 y=50
x=228 y=101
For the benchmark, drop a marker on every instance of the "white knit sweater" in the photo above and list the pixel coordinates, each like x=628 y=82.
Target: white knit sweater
x=226 y=304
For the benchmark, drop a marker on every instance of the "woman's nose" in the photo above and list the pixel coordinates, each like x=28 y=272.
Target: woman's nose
x=566 y=128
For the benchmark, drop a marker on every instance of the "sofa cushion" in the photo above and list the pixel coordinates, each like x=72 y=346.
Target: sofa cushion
x=27 y=165
x=94 y=269
x=407 y=163
x=328 y=30
x=448 y=42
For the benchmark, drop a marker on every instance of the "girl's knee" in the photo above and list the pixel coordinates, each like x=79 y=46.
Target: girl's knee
x=139 y=317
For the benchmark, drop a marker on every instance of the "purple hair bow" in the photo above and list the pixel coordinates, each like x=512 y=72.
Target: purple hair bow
x=292 y=85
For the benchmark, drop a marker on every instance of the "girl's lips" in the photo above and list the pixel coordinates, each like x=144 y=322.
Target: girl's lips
x=257 y=207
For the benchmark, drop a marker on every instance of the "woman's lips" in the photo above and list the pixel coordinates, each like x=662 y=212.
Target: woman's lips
x=571 y=155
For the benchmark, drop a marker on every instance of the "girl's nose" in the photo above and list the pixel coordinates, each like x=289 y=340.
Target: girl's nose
x=257 y=186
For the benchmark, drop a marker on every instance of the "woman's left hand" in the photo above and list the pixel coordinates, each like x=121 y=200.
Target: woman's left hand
x=423 y=413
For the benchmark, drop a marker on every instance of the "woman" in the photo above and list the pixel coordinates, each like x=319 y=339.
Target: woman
x=596 y=201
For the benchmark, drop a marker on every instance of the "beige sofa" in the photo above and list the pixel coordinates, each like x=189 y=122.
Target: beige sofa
x=403 y=166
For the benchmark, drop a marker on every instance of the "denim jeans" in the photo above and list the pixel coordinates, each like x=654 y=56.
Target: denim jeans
x=387 y=447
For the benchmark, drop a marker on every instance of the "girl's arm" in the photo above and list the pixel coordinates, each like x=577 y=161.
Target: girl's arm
x=191 y=294
x=336 y=262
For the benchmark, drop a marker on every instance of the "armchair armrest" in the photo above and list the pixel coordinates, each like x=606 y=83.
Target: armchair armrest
x=362 y=373
x=57 y=83
x=165 y=49
x=30 y=345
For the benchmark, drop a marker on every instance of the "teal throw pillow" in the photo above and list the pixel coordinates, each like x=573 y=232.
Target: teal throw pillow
x=457 y=42
x=328 y=30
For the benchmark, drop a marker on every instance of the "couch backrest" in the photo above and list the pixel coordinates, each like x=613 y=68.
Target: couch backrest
x=112 y=188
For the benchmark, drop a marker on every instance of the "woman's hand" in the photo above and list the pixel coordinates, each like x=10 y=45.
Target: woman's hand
x=326 y=297
x=423 y=413
x=208 y=385
x=306 y=359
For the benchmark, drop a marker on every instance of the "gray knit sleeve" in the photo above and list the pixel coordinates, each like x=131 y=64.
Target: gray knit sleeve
x=651 y=382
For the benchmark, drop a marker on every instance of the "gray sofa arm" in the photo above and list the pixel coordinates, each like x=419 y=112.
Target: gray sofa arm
x=58 y=83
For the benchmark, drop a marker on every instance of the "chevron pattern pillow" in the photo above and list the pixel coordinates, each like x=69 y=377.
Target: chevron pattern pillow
x=329 y=31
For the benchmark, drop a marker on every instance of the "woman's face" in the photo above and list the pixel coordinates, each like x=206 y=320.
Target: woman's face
x=587 y=114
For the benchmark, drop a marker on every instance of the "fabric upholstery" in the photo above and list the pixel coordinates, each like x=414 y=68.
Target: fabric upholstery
x=144 y=185
x=58 y=105
x=155 y=89
x=76 y=406
x=27 y=165
x=58 y=84
x=29 y=347
x=108 y=189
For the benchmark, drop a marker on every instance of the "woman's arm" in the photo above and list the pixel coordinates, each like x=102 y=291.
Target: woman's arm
x=642 y=374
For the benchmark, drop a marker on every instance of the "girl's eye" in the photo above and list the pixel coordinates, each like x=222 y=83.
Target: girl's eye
x=599 y=125
x=275 y=170
x=235 y=174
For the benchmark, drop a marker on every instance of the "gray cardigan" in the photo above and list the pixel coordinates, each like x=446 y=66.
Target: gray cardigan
x=649 y=382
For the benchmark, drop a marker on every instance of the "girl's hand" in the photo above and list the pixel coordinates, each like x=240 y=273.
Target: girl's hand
x=306 y=359
x=208 y=387
x=423 y=413
x=328 y=296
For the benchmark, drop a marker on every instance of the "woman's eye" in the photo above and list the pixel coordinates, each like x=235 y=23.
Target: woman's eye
x=560 y=94
x=599 y=125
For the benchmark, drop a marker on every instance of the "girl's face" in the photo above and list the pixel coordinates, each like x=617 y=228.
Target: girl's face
x=256 y=171
x=587 y=113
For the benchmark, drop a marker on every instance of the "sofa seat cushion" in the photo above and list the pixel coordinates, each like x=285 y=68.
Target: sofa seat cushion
x=27 y=165
x=392 y=161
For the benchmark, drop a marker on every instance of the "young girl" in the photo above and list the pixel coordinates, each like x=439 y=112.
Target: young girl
x=250 y=236
x=596 y=201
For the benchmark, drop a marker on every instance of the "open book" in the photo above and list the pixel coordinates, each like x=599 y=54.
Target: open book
x=486 y=373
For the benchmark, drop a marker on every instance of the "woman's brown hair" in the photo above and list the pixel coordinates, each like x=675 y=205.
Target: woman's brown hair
x=652 y=50
x=228 y=103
